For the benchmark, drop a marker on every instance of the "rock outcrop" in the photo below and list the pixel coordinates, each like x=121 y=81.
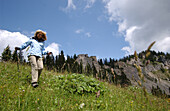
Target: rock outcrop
x=85 y=60
x=156 y=74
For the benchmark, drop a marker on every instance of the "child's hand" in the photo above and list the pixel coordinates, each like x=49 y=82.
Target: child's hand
x=17 y=48
x=49 y=53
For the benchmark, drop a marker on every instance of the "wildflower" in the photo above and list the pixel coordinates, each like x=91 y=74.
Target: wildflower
x=169 y=100
x=140 y=84
x=38 y=99
x=82 y=105
x=136 y=57
x=150 y=46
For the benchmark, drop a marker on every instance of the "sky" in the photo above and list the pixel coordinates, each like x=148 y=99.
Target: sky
x=102 y=28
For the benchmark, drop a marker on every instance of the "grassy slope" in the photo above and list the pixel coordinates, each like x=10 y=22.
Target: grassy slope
x=16 y=93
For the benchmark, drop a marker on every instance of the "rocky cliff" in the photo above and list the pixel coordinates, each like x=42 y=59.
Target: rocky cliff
x=156 y=73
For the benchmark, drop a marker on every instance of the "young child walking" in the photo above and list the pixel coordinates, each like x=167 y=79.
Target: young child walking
x=36 y=51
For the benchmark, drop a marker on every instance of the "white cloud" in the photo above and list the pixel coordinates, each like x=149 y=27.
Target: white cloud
x=83 y=32
x=70 y=6
x=13 y=39
x=78 y=31
x=54 y=48
x=89 y=3
x=16 y=39
x=88 y=34
x=141 y=22
x=164 y=45
x=81 y=4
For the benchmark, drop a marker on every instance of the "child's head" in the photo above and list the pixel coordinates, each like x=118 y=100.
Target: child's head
x=40 y=35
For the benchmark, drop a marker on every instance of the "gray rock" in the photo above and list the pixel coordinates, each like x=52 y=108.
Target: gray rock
x=120 y=65
x=126 y=73
x=85 y=59
x=118 y=72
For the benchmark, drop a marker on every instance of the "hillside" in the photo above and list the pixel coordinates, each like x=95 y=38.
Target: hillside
x=16 y=93
x=155 y=68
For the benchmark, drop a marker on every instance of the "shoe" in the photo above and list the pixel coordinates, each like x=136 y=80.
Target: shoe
x=34 y=84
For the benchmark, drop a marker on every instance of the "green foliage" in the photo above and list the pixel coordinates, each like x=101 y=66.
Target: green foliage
x=6 y=54
x=78 y=83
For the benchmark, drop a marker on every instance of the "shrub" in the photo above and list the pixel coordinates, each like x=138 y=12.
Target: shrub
x=78 y=83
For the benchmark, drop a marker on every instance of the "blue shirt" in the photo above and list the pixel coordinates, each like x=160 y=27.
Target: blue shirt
x=36 y=47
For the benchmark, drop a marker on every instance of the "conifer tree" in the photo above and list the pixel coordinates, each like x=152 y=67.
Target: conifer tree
x=75 y=57
x=75 y=67
x=68 y=64
x=14 y=56
x=88 y=69
x=50 y=62
x=81 y=68
x=61 y=60
x=56 y=63
x=100 y=62
x=6 y=54
x=94 y=70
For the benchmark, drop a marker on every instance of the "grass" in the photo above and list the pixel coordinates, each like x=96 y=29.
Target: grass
x=16 y=93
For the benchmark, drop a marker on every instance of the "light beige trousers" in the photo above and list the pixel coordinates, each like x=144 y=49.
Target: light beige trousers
x=36 y=67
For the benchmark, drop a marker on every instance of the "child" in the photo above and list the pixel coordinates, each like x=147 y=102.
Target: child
x=36 y=51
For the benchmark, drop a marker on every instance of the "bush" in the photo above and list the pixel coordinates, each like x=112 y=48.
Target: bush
x=78 y=83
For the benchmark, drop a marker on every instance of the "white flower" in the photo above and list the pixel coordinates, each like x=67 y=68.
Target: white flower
x=81 y=105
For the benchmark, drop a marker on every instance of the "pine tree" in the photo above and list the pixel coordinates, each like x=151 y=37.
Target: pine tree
x=100 y=62
x=61 y=60
x=50 y=62
x=56 y=63
x=75 y=67
x=75 y=57
x=6 y=54
x=88 y=69
x=81 y=68
x=105 y=61
x=94 y=70
x=14 y=56
x=68 y=64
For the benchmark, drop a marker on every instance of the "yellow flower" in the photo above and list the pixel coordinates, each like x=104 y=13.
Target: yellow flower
x=38 y=99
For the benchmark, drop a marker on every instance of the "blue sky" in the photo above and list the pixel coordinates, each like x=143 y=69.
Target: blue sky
x=102 y=28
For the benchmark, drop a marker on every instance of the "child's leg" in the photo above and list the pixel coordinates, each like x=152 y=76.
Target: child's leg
x=34 y=69
x=40 y=66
